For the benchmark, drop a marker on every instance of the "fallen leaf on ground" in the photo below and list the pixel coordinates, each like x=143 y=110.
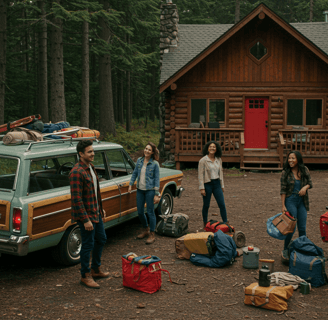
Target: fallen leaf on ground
x=141 y=305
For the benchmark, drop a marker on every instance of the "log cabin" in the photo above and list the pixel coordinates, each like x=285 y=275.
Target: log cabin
x=258 y=87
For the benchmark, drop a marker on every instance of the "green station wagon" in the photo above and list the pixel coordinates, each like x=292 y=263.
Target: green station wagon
x=35 y=200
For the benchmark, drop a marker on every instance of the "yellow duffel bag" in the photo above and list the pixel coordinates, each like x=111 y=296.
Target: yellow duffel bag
x=272 y=298
x=192 y=243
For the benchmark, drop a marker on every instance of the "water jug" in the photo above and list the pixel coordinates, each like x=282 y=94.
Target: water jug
x=251 y=257
x=264 y=277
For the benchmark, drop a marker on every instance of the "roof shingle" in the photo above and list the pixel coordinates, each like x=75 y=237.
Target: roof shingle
x=195 y=38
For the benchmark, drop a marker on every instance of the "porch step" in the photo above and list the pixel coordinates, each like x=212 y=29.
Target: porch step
x=261 y=168
x=262 y=162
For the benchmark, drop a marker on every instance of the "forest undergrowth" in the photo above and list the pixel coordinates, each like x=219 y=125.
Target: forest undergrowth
x=139 y=136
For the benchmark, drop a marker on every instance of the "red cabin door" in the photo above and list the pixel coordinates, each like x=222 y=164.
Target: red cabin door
x=256 y=123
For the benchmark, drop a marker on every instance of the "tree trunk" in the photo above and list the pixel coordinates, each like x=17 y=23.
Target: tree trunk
x=115 y=97
x=57 y=90
x=42 y=66
x=121 y=107
x=106 y=109
x=93 y=96
x=85 y=76
x=3 y=38
x=237 y=11
x=128 y=102
x=311 y=10
x=25 y=104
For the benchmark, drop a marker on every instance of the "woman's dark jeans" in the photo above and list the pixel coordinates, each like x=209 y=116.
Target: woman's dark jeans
x=146 y=196
x=94 y=241
x=296 y=208
x=214 y=187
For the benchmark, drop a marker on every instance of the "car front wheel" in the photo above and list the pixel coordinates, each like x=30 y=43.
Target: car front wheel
x=67 y=252
x=165 y=206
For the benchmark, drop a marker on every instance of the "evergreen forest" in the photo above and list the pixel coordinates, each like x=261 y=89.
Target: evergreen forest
x=96 y=63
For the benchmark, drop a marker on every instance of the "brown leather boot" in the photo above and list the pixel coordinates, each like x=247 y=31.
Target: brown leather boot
x=151 y=238
x=89 y=282
x=144 y=233
x=98 y=273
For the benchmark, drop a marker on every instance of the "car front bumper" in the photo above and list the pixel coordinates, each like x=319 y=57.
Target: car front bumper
x=179 y=192
x=14 y=245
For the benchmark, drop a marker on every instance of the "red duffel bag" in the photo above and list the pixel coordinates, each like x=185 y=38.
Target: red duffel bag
x=324 y=227
x=142 y=273
x=214 y=226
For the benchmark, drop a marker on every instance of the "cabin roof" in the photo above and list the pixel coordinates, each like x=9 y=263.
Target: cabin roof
x=196 y=38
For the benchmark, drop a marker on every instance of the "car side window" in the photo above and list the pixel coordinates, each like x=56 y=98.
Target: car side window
x=128 y=163
x=100 y=165
x=50 y=173
x=118 y=165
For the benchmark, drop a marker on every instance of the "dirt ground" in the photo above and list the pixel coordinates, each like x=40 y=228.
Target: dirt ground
x=34 y=287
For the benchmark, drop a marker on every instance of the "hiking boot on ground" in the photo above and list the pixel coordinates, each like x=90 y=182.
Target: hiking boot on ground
x=144 y=233
x=285 y=256
x=98 y=273
x=89 y=282
x=151 y=238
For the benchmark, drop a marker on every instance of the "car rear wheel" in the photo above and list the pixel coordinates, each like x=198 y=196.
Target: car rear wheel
x=67 y=252
x=165 y=206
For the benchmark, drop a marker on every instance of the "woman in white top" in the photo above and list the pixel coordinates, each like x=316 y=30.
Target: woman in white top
x=210 y=177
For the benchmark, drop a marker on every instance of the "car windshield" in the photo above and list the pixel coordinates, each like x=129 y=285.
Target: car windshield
x=8 y=171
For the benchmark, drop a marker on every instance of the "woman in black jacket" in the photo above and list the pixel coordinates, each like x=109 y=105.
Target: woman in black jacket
x=295 y=181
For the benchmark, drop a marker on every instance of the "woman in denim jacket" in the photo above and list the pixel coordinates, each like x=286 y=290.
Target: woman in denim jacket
x=146 y=173
x=295 y=181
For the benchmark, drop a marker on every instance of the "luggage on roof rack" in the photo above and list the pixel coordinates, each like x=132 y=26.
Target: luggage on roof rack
x=18 y=123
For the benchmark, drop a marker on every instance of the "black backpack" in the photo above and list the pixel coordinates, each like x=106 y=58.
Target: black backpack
x=172 y=225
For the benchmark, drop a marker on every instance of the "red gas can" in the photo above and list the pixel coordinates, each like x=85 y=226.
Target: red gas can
x=324 y=227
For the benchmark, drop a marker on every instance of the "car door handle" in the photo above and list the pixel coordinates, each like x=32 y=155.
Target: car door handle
x=121 y=185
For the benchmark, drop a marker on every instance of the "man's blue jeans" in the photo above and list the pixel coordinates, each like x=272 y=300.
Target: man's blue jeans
x=146 y=196
x=214 y=187
x=296 y=208
x=94 y=241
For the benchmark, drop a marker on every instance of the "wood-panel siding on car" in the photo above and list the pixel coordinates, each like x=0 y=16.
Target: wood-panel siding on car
x=57 y=221
x=4 y=215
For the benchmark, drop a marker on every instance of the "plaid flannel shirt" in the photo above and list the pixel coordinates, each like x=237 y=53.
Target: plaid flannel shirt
x=83 y=197
x=288 y=182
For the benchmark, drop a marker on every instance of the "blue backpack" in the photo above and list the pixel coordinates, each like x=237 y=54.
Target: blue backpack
x=225 y=252
x=307 y=261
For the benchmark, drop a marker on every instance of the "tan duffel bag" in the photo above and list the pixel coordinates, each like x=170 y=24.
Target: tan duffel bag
x=19 y=135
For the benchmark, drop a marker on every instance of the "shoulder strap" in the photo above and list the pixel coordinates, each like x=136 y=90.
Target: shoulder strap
x=267 y=297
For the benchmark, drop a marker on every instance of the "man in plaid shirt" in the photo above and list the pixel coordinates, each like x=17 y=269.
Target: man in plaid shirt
x=87 y=211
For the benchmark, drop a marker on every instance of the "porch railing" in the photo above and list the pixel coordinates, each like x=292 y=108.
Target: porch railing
x=308 y=142
x=192 y=141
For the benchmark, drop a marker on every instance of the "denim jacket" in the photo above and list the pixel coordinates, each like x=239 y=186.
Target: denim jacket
x=152 y=174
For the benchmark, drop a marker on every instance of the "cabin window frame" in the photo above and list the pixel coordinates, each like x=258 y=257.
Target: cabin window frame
x=317 y=126
x=265 y=57
x=223 y=124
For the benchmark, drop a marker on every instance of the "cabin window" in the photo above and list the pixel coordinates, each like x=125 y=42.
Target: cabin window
x=258 y=50
x=304 y=112
x=198 y=110
x=211 y=112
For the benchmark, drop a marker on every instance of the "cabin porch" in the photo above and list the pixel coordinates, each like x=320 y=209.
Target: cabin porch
x=189 y=143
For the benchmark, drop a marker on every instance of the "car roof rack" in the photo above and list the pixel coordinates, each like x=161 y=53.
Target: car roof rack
x=66 y=139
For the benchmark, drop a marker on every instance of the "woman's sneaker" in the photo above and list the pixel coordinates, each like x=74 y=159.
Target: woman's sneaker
x=285 y=256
